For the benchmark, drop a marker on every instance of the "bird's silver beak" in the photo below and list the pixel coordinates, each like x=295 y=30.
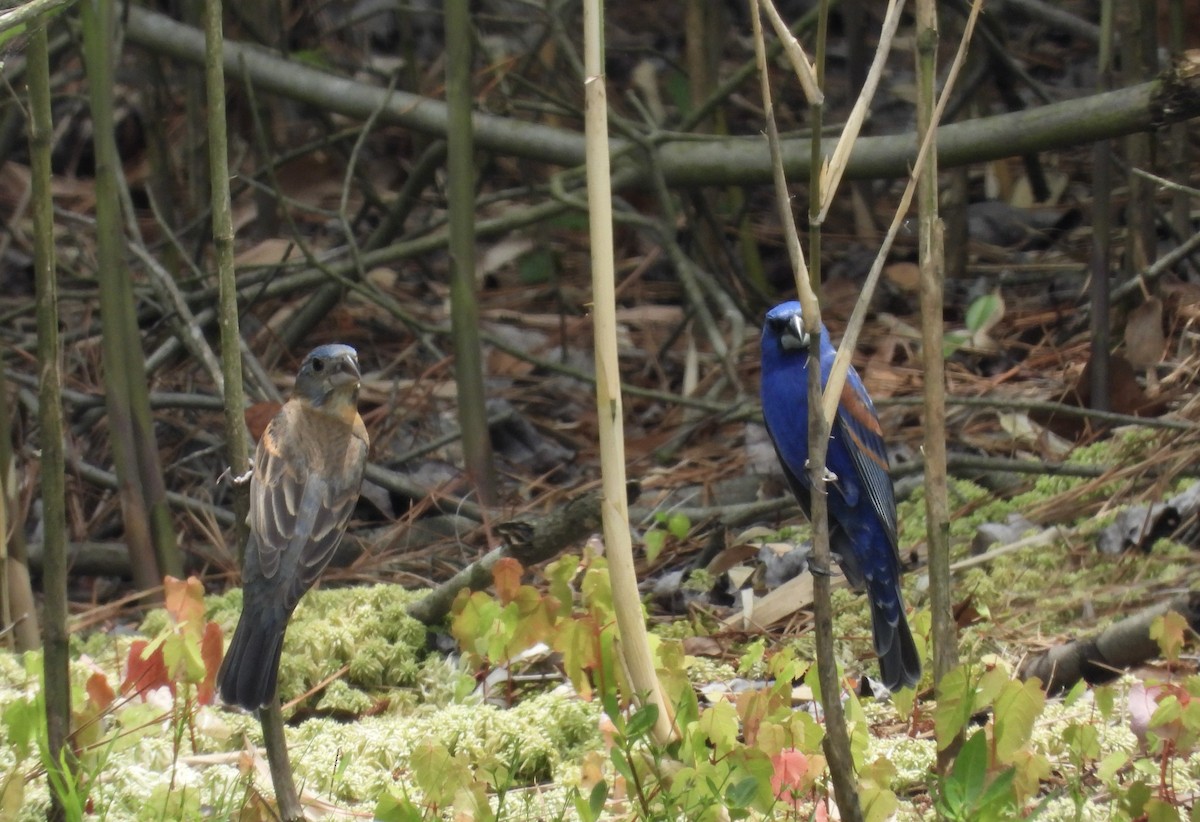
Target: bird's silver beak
x=794 y=336
x=344 y=371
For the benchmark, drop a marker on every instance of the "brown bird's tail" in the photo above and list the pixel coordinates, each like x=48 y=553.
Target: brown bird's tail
x=250 y=671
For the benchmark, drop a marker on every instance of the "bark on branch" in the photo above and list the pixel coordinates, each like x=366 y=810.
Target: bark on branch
x=529 y=541
x=1173 y=97
x=1102 y=657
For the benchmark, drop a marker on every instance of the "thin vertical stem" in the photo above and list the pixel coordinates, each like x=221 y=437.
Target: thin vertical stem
x=121 y=366
x=464 y=306
x=837 y=737
x=1180 y=205
x=237 y=441
x=932 y=275
x=56 y=679
x=1101 y=225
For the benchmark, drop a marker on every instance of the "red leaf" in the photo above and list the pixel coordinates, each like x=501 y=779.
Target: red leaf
x=211 y=646
x=142 y=675
x=791 y=773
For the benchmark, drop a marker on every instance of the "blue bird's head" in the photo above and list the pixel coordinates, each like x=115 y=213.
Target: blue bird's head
x=329 y=379
x=785 y=323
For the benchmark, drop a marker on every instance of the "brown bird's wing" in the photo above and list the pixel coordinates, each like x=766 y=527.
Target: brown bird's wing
x=298 y=510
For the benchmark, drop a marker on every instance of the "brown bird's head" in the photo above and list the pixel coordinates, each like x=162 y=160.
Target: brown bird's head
x=329 y=379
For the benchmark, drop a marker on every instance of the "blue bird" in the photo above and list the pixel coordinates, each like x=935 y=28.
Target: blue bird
x=862 y=503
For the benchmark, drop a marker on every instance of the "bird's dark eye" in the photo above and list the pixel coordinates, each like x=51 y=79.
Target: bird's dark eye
x=318 y=365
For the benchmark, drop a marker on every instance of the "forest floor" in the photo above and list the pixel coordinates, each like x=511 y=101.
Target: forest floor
x=1062 y=524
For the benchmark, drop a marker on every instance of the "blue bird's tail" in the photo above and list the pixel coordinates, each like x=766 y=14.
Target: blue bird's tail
x=250 y=671
x=899 y=661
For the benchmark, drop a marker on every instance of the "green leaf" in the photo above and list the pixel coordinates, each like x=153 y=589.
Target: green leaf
x=999 y=794
x=982 y=312
x=859 y=728
x=955 y=703
x=558 y=575
x=1169 y=631
x=1016 y=709
x=1082 y=742
x=24 y=719
x=1109 y=766
x=597 y=798
x=438 y=773
x=751 y=656
x=1076 y=693
x=952 y=341
x=741 y=793
x=1168 y=712
x=393 y=808
x=952 y=799
x=1159 y=811
x=621 y=763
x=970 y=769
x=641 y=722
x=878 y=804
x=536 y=267
x=720 y=724
x=655 y=540
x=1133 y=800
x=679 y=525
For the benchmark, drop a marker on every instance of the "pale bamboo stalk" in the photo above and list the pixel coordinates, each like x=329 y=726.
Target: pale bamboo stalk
x=805 y=71
x=614 y=509
x=837 y=376
x=783 y=200
x=831 y=173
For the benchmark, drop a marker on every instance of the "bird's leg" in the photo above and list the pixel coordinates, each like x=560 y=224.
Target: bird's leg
x=826 y=572
x=817 y=570
x=829 y=476
x=242 y=479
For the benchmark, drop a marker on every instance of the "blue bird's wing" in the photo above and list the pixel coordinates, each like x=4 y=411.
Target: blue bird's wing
x=859 y=429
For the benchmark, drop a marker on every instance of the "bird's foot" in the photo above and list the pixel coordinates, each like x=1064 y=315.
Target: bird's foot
x=240 y=479
x=828 y=476
x=817 y=570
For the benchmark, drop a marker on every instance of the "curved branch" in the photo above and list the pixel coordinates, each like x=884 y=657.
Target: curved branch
x=1101 y=657
x=1173 y=97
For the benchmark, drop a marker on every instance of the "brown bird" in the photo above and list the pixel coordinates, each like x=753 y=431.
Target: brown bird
x=305 y=482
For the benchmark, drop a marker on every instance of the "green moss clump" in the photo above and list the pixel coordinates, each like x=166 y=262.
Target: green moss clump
x=339 y=697
x=366 y=628
x=356 y=762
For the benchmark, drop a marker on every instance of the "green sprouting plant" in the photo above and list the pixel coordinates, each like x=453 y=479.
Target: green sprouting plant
x=968 y=793
x=982 y=316
x=675 y=525
x=1011 y=770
